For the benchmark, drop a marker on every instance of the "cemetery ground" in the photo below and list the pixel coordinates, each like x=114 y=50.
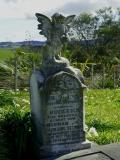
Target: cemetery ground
x=102 y=109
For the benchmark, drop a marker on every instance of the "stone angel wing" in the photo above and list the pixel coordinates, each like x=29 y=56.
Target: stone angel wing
x=45 y=25
x=67 y=22
x=69 y=19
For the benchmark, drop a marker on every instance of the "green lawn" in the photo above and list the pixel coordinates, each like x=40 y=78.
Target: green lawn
x=102 y=108
x=5 y=53
x=103 y=113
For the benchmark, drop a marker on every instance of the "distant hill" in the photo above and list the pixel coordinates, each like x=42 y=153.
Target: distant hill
x=40 y=43
x=19 y=44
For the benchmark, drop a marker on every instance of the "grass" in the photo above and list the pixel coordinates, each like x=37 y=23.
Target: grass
x=5 y=53
x=102 y=112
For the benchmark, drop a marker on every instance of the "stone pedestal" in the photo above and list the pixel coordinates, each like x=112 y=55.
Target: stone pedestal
x=59 y=117
x=104 y=152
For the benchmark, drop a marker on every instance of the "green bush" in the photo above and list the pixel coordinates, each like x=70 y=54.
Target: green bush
x=107 y=83
x=15 y=121
x=17 y=132
x=6 y=98
x=4 y=154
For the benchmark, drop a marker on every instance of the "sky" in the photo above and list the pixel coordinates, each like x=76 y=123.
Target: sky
x=18 y=21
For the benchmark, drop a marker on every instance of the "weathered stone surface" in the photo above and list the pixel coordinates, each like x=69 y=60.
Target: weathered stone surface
x=63 y=115
x=61 y=122
x=105 y=152
x=55 y=30
x=94 y=156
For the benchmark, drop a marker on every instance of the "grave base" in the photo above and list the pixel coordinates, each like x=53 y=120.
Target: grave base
x=104 y=152
x=54 y=151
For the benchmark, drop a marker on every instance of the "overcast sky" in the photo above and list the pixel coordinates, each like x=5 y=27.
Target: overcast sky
x=18 y=23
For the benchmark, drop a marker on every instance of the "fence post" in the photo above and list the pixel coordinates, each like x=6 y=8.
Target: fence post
x=103 y=77
x=92 y=74
x=15 y=73
x=33 y=65
x=114 y=77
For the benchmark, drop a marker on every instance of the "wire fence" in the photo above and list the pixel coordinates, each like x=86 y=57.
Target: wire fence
x=14 y=81
x=95 y=75
x=102 y=76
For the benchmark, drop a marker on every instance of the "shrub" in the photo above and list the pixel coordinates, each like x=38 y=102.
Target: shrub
x=17 y=132
x=6 y=98
x=16 y=123
x=3 y=147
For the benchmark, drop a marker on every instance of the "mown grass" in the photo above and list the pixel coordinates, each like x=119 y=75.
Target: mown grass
x=102 y=112
x=5 y=53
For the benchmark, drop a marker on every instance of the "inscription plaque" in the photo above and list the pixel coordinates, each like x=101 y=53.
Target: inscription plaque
x=63 y=126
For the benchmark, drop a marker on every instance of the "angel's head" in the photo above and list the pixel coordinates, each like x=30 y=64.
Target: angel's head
x=57 y=21
x=56 y=26
x=58 y=18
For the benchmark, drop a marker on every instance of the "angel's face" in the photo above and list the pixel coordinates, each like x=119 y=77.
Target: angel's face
x=59 y=30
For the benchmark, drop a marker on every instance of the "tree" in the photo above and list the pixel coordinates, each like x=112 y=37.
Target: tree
x=97 y=36
x=85 y=26
x=108 y=34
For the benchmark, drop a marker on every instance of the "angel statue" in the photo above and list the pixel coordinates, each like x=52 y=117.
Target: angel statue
x=55 y=30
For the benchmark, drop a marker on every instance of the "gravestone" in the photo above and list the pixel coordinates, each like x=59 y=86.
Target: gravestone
x=57 y=106
x=63 y=114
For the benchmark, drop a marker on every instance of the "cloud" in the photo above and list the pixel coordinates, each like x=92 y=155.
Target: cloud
x=14 y=1
x=29 y=16
x=86 y=6
x=27 y=8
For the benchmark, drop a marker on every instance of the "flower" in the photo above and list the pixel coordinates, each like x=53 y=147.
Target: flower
x=25 y=101
x=92 y=131
x=11 y=91
x=17 y=105
x=25 y=89
x=86 y=128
